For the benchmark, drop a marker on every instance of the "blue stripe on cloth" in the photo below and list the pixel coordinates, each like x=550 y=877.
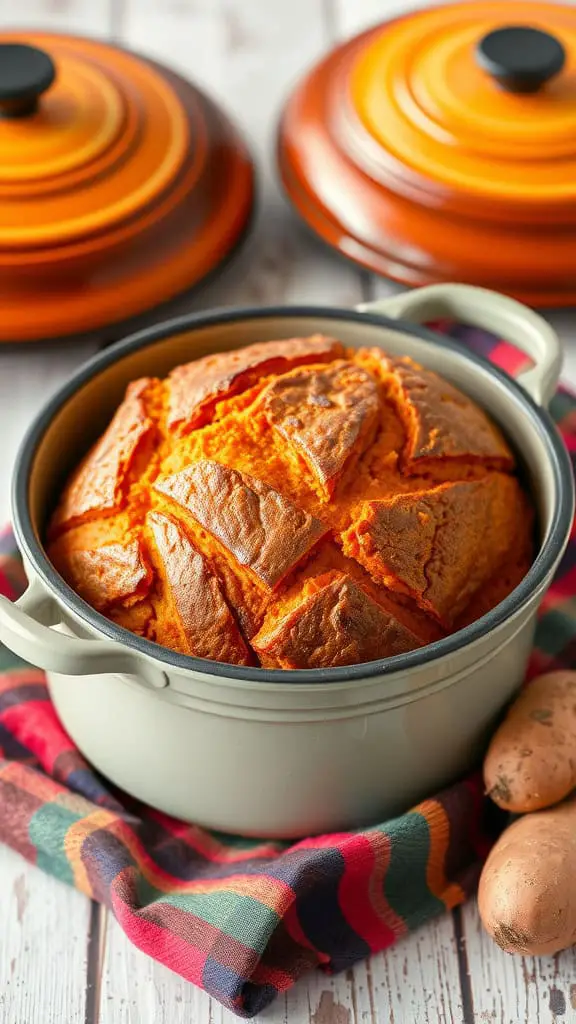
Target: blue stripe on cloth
x=225 y=981
x=12 y=750
x=320 y=917
x=474 y=338
x=7 y=543
x=22 y=694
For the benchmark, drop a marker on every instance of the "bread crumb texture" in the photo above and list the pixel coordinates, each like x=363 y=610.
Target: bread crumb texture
x=294 y=505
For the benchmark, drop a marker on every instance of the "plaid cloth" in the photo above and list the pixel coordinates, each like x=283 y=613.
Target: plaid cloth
x=244 y=919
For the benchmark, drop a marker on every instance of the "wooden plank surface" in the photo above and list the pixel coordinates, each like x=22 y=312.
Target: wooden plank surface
x=61 y=959
x=415 y=982
x=43 y=946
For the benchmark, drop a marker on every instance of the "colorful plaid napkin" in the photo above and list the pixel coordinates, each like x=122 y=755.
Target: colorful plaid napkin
x=245 y=919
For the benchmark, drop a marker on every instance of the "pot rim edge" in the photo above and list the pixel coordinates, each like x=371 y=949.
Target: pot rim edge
x=545 y=561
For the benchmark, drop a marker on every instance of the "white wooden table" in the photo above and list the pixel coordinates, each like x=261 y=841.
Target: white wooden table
x=63 y=960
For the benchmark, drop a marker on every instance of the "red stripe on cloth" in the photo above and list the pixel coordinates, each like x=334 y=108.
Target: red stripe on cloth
x=564 y=589
x=6 y=588
x=364 y=906
x=321 y=842
x=36 y=725
x=509 y=358
x=294 y=929
x=161 y=944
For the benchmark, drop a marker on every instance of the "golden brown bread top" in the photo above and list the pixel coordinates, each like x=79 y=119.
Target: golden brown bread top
x=297 y=505
x=334 y=622
x=440 y=422
x=109 y=574
x=258 y=526
x=194 y=616
x=330 y=415
x=194 y=389
x=441 y=545
x=98 y=487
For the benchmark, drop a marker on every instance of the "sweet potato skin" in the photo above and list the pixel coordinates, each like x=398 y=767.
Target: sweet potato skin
x=527 y=896
x=531 y=761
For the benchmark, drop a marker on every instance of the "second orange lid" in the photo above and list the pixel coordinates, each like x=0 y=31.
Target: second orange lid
x=416 y=145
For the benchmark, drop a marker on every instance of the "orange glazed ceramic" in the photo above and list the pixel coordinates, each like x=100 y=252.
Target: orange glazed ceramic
x=295 y=505
x=121 y=185
x=442 y=146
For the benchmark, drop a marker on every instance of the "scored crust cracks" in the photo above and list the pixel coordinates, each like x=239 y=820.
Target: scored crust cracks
x=195 y=388
x=261 y=530
x=194 y=613
x=99 y=485
x=109 y=574
x=333 y=621
x=441 y=545
x=308 y=406
x=440 y=422
x=296 y=505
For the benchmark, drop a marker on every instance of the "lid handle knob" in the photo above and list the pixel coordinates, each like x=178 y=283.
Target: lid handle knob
x=520 y=58
x=25 y=73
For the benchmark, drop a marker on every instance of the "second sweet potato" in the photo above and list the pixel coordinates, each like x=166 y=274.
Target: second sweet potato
x=531 y=761
x=526 y=896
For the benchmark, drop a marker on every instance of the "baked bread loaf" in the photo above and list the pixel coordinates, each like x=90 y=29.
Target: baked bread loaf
x=294 y=505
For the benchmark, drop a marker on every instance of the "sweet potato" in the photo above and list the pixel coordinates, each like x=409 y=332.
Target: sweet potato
x=527 y=893
x=531 y=761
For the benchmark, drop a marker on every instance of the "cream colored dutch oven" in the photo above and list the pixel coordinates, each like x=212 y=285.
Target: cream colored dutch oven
x=287 y=753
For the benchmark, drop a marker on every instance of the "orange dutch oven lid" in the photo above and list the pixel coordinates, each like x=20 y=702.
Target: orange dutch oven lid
x=121 y=185
x=442 y=146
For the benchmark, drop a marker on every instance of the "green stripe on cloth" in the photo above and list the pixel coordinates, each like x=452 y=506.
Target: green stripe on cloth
x=405 y=885
x=243 y=918
x=9 y=661
x=561 y=405
x=47 y=830
x=556 y=629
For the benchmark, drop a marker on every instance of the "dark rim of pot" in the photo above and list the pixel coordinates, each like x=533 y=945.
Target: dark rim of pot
x=544 y=562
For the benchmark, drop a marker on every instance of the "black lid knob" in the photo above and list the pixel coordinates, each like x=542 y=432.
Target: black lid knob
x=25 y=73
x=521 y=59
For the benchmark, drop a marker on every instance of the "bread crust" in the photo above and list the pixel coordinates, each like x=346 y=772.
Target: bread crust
x=295 y=504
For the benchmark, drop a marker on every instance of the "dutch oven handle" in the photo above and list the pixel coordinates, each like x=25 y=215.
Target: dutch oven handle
x=478 y=307
x=25 y=632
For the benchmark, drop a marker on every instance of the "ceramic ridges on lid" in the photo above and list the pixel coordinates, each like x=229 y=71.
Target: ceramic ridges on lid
x=442 y=145
x=70 y=123
x=422 y=92
x=121 y=185
x=110 y=135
